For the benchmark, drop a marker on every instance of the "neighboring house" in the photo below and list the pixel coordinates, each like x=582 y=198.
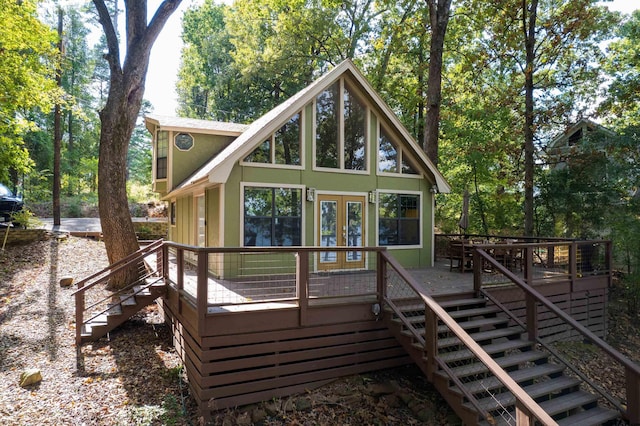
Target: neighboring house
x=331 y=166
x=562 y=146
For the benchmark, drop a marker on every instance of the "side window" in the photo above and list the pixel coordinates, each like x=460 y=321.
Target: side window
x=398 y=219
x=162 y=150
x=283 y=147
x=272 y=216
x=391 y=159
x=172 y=212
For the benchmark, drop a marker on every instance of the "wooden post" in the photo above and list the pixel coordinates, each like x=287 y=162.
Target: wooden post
x=180 y=269
x=528 y=265
x=573 y=264
x=633 y=396
x=79 y=313
x=477 y=272
x=430 y=341
x=523 y=417
x=302 y=284
x=381 y=277
x=202 y=291
x=532 y=317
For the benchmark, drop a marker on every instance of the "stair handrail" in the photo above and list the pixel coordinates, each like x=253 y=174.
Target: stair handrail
x=632 y=370
x=100 y=276
x=117 y=266
x=525 y=405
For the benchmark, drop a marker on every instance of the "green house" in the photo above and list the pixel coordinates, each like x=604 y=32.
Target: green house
x=331 y=166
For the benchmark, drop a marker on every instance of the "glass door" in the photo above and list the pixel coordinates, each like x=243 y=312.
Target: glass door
x=341 y=224
x=201 y=230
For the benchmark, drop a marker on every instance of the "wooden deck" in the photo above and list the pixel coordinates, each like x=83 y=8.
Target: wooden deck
x=253 y=325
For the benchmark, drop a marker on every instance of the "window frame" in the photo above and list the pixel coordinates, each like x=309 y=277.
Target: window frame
x=400 y=156
x=343 y=84
x=272 y=186
x=158 y=158
x=272 y=147
x=420 y=217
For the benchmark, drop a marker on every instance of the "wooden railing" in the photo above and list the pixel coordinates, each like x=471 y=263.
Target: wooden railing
x=527 y=410
x=98 y=305
x=533 y=299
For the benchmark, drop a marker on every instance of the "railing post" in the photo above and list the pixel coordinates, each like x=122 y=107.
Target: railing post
x=302 y=284
x=180 y=269
x=532 y=317
x=79 y=313
x=609 y=262
x=381 y=277
x=633 y=396
x=573 y=264
x=523 y=416
x=477 y=271
x=430 y=340
x=528 y=265
x=202 y=291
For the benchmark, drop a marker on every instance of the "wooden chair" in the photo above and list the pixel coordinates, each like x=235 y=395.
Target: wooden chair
x=462 y=253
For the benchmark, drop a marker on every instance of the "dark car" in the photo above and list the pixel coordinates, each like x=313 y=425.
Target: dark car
x=9 y=204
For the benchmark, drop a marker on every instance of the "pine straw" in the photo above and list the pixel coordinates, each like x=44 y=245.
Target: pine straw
x=135 y=378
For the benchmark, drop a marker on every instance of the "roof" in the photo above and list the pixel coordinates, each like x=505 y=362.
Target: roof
x=583 y=122
x=218 y=169
x=192 y=124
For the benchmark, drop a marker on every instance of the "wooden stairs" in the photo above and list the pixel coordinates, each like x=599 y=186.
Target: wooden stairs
x=561 y=395
x=121 y=308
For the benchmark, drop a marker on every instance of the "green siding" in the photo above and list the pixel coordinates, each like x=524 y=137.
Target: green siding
x=205 y=147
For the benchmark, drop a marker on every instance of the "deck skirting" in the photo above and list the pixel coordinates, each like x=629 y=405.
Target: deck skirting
x=272 y=358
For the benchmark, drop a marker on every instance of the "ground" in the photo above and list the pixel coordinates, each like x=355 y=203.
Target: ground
x=136 y=377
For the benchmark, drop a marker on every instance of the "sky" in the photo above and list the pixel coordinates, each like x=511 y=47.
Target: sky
x=165 y=55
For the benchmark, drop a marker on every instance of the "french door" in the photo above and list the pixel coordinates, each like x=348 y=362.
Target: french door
x=341 y=224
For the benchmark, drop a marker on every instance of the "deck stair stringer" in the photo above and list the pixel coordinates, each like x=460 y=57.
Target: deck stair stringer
x=559 y=394
x=122 y=307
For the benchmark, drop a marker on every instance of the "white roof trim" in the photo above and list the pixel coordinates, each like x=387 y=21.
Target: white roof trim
x=181 y=124
x=219 y=168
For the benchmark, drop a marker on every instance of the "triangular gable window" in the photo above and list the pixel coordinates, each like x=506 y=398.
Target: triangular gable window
x=282 y=147
x=391 y=159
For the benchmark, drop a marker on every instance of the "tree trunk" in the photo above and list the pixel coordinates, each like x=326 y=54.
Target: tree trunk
x=57 y=131
x=529 y=29
x=439 y=17
x=118 y=119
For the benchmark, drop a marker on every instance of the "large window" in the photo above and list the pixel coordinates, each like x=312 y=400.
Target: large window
x=283 y=147
x=340 y=129
x=272 y=216
x=162 y=149
x=398 y=219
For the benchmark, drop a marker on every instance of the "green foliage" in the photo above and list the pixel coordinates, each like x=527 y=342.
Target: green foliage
x=622 y=102
x=25 y=218
x=27 y=63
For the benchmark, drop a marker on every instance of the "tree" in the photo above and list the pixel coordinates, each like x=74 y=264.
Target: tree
x=439 y=19
x=118 y=119
x=622 y=96
x=27 y=66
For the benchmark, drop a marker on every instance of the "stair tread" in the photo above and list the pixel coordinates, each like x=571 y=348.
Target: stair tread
x=490 y=349
x=567 y=402
x=536 y=390
x=486 y=310
x=127 y=299
x=482 y=322
x=591 y=417
x=456 y=303
x=518 y=375
x=504 y=362
x=482 y=335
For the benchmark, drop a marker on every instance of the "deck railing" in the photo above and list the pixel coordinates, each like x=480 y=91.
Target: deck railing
x=400 y=287
x=93 y=300
x=536 y=303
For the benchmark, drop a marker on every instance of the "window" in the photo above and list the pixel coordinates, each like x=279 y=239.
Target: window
x=391 y=159
x=398 y=219
x=272 y=216
x=340 y=129
x=162 y=149
x=172 y=212
x=183 y=141
x=283 y=147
